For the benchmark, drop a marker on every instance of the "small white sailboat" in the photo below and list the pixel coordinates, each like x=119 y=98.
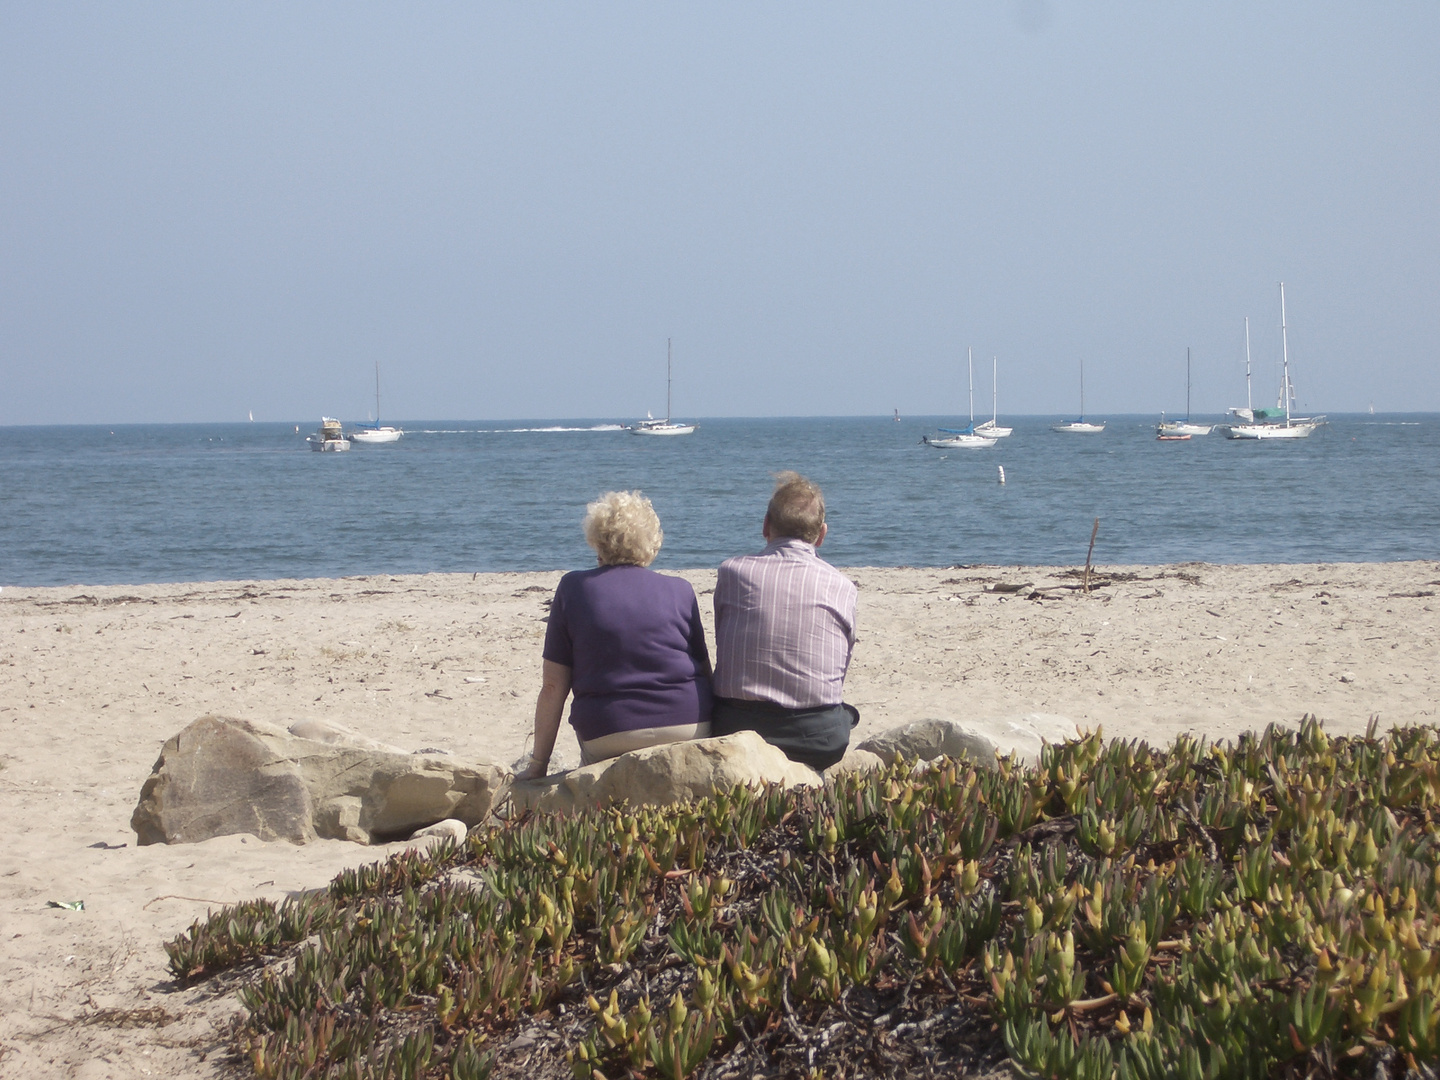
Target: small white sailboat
x=1080 y=426
x=1176 y=430
x=991 y=428
x=1276 y=423
x=651 y=426
x=376 y=433
x=963 y=438
x=330 y=438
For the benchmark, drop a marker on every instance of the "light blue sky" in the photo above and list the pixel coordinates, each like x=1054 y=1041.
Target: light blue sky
x=212 y=208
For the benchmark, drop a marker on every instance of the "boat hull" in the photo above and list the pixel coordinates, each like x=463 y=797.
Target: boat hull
x=1078 y=427
x=376 y=436
x=663 y=429
x=1267 y=431
x=992 y=431
x=962 y=442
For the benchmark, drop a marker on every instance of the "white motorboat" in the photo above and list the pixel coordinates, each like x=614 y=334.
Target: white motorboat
x=651 y=426
x=991 y=429
x=1080 y=426
x=968 y=438
x=330 y=438
x=1175 y=430
x=1276 y=423
x=376 y=434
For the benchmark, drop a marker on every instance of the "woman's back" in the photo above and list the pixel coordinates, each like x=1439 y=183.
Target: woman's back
x=636 y=647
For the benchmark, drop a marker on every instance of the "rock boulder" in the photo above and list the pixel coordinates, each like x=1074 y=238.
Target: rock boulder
x=222 y=775
x=926 y=740
x=662 y=775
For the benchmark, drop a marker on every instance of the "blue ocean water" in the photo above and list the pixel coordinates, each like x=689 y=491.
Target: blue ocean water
x=158 y=503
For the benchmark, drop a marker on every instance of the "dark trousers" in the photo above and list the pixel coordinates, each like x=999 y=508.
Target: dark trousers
x=814 y=737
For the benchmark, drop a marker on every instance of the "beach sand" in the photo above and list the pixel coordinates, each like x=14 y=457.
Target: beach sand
x=94 y=680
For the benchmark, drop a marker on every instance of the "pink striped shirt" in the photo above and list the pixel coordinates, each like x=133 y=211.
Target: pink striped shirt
x=784 y=627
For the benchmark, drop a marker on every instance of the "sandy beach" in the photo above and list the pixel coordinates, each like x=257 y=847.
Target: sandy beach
x=93 y=680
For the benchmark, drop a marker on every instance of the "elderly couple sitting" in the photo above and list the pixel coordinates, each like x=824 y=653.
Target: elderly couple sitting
x=629 y=644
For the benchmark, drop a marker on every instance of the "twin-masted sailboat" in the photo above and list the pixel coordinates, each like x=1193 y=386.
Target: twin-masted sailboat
x=1276 y=423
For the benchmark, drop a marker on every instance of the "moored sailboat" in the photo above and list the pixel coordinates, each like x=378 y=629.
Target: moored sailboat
x=651 y=426
x=1176 y=430
x=376 y=433
x=963 y=438
x=1276 y=423
x=991 y=428
x=1080 y=426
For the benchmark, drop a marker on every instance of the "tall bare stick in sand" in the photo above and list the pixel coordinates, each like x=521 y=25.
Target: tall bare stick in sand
x=1089 y=553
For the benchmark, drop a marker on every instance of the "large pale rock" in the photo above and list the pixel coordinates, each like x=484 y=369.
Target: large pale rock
x=979 y=741
x=662 y=775
x=855 y=761
x=926 y=740
x=221 y=775
x=334 y=733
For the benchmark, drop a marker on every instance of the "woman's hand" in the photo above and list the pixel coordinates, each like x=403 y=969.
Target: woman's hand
x=535 y=770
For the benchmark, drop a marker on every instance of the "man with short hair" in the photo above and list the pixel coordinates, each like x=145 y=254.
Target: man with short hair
x=784 y=632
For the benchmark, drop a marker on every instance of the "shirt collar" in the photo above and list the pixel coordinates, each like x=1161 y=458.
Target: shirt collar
x=789 y=543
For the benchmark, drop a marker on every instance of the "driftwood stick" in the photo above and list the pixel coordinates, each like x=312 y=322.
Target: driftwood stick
x=1089 y=553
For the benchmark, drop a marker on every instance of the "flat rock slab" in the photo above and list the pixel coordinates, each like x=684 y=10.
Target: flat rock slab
x=222 y=775
x=664 y=775
x=980 y=742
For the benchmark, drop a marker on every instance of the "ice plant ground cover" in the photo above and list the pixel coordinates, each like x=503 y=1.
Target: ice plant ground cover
x=1267 y=908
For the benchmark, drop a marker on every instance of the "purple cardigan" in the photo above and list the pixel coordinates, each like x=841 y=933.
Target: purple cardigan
x=635 y=647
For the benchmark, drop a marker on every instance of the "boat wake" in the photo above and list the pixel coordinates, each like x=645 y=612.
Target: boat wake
x=517 y=431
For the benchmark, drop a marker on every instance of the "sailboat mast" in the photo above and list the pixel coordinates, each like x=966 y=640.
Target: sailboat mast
x=1187 y=384
x=377 y=393
x=970 y=362
x=668 y=376
x=994 y=390
x=1249 y=404
x=1082 y=389
x=1285 y=357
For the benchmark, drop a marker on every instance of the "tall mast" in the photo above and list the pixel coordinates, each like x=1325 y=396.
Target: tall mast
x=1082 y=388
x=377 y=393
x=1248 y=403
x=667 y=379
x=1187 y=384
x=994 y=389
x=970 y=361
x=1285 y=357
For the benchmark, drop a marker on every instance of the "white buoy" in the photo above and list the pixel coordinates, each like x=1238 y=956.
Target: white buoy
x=1002 y=473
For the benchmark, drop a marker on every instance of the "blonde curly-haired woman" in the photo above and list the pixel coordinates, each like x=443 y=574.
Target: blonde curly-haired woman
x=627 y=641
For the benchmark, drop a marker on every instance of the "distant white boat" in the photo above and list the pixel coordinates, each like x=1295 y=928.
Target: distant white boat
x=1175 y=430
x=1276 y=423
x=651 y=426
x=963 y=438
x=991 y=428
x=330 y=438
x=376 y=433
x=1080 y=426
